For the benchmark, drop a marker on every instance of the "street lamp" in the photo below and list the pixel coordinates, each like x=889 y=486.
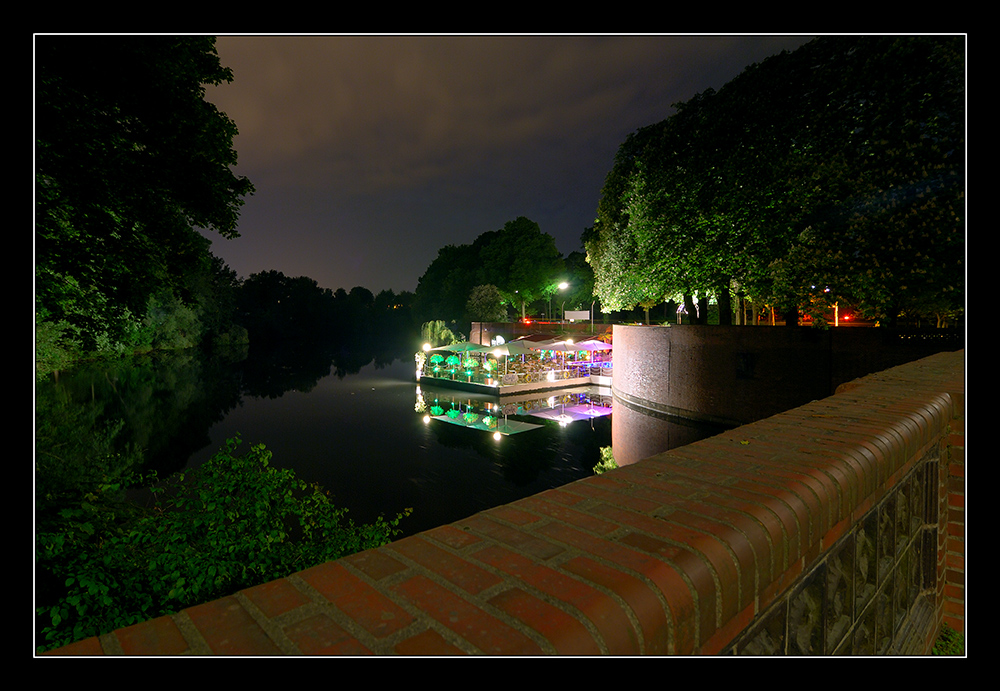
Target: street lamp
x=562 y=286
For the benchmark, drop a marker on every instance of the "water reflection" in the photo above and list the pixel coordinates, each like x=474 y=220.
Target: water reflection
x=357 y=424
x=503 y=416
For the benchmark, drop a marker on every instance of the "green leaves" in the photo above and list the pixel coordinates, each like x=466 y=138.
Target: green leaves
x=519 y=259
x=857 y=140
x=232 y=523
x=125 y=176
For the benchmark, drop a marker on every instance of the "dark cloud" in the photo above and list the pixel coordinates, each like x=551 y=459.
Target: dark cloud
x=371 y=153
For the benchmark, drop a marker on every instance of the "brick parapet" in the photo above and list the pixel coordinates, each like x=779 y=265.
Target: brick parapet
x=677 y=554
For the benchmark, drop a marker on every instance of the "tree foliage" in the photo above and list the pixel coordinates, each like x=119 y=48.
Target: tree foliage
x=519 y=259
x=523 y=262
x=838 y=165
x=276 y=308
x=130 y=162
x=486 y=304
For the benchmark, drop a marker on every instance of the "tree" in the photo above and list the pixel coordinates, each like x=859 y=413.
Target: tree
x=274 y=307
x=444 y=288
x=522 y=261
x=839 y=166
x=486 y=304
x=130 y=161
x=519 y=259
x=884 y=228
x=580 y=277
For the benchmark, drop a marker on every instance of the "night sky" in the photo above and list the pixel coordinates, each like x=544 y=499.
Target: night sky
x=370 y=153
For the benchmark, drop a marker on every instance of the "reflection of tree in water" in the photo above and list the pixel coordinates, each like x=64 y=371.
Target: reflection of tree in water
x=158 y=408
x=350 y=361
x=274 y=368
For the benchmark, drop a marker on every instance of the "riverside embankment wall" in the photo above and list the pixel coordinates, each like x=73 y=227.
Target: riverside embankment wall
x=836 y=527
x=734 y=375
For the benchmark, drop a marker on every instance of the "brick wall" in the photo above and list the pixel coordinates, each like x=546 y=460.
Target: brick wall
x=716 y=547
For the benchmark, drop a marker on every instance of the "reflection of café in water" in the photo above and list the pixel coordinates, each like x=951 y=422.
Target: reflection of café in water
x=511 y=414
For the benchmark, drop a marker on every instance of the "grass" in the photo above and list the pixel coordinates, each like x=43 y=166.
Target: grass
x=949 y=642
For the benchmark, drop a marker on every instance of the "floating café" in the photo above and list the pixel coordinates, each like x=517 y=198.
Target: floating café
x=520 y=366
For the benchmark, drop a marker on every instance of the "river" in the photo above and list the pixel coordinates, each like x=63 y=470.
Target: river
x=360 y=427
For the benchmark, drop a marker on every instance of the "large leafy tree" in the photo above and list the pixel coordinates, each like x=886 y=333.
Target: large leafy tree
x=443 y=290
x=130 y=161
x=486 y=304
x=837 y=166
x=519 y=259
x=884 y=221
x=523 y=262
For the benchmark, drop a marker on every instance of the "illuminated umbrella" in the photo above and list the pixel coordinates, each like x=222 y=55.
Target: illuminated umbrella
x=465 y=347
x=593 y=345
x=557 y=346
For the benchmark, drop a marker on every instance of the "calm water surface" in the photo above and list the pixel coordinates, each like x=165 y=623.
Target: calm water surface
x=361 y=428
x=365 y=438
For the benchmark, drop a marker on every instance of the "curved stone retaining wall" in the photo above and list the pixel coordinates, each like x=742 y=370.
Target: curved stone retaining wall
x=836 y=527
x=734 y=375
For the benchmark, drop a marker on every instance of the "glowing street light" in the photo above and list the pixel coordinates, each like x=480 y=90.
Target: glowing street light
x=562 y=286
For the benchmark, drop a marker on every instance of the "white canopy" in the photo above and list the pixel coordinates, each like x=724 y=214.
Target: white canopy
x=464 y=347
x=511 y=348
x=593 y=345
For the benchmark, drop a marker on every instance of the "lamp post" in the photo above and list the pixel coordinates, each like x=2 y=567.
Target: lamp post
x=562 y=286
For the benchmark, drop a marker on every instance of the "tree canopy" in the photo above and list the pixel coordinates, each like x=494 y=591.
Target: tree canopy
x=130 y=161
x=834 y=172
x=520 y=260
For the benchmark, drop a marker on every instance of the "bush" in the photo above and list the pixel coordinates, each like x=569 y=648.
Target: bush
x=56 y=345
x=607 y=461
x=949 y=642
x=232 y=523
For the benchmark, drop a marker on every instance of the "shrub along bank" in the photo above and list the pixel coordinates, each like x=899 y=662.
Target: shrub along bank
x=237 y=521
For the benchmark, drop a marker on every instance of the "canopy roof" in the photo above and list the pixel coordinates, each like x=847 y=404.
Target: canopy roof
x=569 y=346
x=463 y=347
